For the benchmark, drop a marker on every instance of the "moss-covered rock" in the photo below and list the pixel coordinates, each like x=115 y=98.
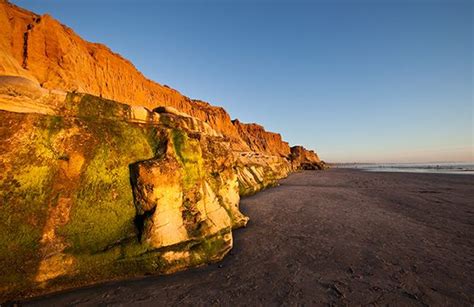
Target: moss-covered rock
x=102 y=190
x=188 y=192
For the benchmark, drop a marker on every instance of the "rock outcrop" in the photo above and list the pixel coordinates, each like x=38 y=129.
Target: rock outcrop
x=259 y=140
x=106 y=174
x=304 y=159
x=99 y=190
x=41 y=49
x=50 y=54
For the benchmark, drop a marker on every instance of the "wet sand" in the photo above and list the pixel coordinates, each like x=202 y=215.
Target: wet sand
x=338 y=237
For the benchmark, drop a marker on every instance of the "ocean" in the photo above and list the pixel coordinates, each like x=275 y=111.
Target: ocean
x=441 y=168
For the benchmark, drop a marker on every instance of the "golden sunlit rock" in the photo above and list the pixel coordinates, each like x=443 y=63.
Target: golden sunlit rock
x=106 y=174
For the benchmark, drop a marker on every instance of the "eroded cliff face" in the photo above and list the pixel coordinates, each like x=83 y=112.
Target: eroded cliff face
x=304 y=159
x=260 y=140
x=43 y=50
x=106 y=174
x=98 y=190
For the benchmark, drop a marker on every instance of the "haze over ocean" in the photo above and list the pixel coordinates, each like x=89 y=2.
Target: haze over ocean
x=359 y=81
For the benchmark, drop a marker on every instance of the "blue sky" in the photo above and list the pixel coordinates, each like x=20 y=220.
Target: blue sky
x=355 y=80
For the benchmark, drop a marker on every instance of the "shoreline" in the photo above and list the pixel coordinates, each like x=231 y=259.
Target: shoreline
x=408 y=171
x=342 y=236
x=461 y=168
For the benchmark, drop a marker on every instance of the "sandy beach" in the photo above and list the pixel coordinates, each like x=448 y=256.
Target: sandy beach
x=337 y=237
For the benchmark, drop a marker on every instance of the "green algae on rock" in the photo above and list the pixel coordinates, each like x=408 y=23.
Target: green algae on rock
x=74 y=189
x=95 y=190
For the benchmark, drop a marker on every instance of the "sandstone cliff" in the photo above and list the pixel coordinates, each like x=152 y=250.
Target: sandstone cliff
x=259 y=140
x=106 y=174
x=43 y=50
x=302 y=158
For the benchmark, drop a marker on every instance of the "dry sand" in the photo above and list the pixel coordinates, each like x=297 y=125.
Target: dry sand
x=338 y=237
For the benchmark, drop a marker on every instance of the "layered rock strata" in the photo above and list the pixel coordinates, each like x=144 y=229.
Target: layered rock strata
x=41 y=49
